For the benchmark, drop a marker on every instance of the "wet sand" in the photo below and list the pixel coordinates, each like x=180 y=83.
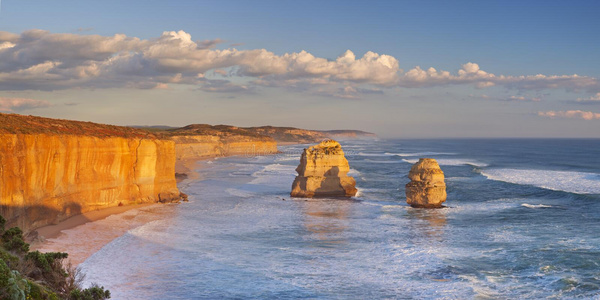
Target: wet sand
x=53 y=231
x=83 y=235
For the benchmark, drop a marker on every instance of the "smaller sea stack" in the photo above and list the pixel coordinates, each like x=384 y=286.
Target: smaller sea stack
x=323 y=172
x=426 y=187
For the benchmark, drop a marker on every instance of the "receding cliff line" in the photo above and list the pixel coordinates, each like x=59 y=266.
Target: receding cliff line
x=200 y=141
x=54 y=169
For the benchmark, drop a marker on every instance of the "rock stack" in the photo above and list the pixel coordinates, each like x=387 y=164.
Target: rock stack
x=426 y=187
x=323 y=172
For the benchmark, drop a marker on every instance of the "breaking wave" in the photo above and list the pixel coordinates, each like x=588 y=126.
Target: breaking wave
x=567 y=181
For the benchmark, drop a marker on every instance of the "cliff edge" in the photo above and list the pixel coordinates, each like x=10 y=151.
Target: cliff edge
x=52 y=169
x=197 y=141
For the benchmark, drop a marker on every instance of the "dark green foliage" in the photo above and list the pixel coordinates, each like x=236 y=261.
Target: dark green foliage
x=12 y=240
x=47 y=262
x=35 y=275
x=95 y=292
x=8 y=258
x=12 y=285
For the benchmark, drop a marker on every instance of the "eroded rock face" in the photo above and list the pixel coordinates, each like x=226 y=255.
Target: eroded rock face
x=426 y=187
x=46 y=178
x=323 y=172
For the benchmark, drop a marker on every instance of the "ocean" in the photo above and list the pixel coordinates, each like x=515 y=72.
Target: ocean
x=522 y=220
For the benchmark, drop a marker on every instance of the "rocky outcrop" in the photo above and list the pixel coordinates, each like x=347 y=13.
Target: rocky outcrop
x=323 y=172
x=426 y=187
x=53 y=169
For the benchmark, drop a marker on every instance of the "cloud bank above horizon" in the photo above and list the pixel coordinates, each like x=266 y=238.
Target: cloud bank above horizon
x=41 y=60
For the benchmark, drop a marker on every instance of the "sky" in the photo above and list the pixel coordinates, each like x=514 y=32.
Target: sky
x=401 y=69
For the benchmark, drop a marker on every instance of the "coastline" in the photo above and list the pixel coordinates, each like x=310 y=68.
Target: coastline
x=83 y=235
x=54 y=231
x=73 y=234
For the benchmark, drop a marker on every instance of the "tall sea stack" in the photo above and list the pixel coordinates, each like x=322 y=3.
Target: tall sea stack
x=426 y=187
x=323 y=172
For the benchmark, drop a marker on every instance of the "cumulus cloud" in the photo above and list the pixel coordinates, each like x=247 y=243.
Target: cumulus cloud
x=594 y=98
x=346 y=92
x=510 y=98
x=224 y=86
x=20 y=104
x=572 y=114
x=470 y=73
x=523 y=98
x=38 y=59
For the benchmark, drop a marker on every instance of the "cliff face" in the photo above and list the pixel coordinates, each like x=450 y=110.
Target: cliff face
x=192 y=147
x=199 y=141
x=49 y=171
x=322 y=172
x=426 y=187
x=289 y=134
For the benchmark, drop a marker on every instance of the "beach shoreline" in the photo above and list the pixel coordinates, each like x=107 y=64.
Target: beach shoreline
x=49 y=238
x=53 y=231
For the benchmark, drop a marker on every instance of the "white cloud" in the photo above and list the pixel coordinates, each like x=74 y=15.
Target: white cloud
x=510 y=98
x=593 y=98
x=573 y=114
x=470 y=73
x=523 y=98
x=19 y=104
x=38 y=59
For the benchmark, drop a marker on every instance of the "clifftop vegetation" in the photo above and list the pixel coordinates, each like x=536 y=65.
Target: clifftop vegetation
x=35 y=275
x=20 y=124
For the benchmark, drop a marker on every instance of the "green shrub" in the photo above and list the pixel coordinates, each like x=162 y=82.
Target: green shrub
x=48 y=262
x=12 y=240
x=94 y=292
x=12 y=285
x=20 y=269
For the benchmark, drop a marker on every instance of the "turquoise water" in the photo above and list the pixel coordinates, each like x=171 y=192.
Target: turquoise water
x=522 y=221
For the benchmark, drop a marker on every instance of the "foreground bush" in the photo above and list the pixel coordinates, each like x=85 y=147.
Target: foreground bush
x=34 y=275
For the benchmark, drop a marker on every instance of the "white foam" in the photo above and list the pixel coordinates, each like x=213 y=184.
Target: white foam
x=452 y=162
x=353 y=172
x=567 y=181
x=383 y=161
x=427 y=153
x=288 y=158
x=239 y=193
x=375 y=154
x=273 y=174
x=536 y=205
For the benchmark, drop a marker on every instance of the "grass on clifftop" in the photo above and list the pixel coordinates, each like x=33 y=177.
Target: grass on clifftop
x=20 y=124
x=35 y=275
x=224 y=131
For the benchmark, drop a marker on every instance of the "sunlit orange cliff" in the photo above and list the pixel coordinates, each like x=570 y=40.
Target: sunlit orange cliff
x=52 y=169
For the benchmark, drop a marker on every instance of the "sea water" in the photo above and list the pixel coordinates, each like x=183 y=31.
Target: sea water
x=522 y=220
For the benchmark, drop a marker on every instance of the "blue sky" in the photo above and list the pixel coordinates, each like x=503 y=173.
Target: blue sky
x=502 y=37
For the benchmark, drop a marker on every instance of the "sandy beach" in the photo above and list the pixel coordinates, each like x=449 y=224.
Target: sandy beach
x=53 y=231
x=83 y=235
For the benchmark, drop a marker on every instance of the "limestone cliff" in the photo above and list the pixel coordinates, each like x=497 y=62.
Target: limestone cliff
x=426 y=187
x=199 y=141
x=323 y=172
x=53 y=169
x=289 y=134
